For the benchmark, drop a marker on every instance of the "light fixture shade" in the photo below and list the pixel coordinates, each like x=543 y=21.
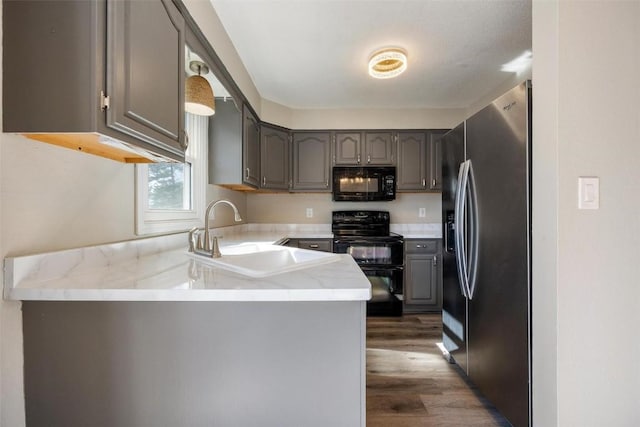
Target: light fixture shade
x=387 y=63
x=199 y=97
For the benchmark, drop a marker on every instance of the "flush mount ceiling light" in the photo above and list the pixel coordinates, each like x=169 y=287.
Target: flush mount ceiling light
x=387 y=63
x=198 y=93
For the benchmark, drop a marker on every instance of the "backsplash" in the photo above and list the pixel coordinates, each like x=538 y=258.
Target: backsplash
x=292 y=208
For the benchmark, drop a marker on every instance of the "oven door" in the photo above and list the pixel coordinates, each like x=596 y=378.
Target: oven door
x=386 y=291
x=371 y=253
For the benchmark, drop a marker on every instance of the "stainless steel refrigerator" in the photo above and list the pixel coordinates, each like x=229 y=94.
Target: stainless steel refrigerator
x=487 y=259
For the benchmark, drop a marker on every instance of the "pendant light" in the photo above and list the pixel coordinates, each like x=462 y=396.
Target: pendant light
x=198 y=92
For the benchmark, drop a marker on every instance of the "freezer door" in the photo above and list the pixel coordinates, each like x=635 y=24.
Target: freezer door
x=454 y=304
x=498 y=314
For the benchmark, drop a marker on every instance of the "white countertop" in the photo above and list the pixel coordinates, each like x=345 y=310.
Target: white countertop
x=159 y=269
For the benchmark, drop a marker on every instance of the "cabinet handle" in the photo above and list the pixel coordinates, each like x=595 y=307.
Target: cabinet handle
x=435 y=260
x=358 y=161
x=184 y=143
x=314 y=246
x=246 y=173
x=264 y=181
x=369 y=158
x=326 y=183
x=420 y=246
x=424 y=182
x=434 y=182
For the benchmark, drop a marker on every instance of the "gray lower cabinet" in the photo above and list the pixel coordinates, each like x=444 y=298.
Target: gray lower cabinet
x=76 y=70
x=364 y=148
x=419 y=157
x=313 y=244
x=423 y=276
x=274 y=158
x=311 y=161
x=250 y=147
x=324 y=245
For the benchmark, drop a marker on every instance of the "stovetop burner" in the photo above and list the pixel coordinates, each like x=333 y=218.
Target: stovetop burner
x=359 y=224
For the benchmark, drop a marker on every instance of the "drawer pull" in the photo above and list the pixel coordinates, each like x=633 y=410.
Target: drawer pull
x=314 y=246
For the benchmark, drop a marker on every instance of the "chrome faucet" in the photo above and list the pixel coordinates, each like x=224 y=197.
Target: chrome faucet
x=208 y=246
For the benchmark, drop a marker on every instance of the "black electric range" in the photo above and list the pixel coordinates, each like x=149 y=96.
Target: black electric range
x=366 y=237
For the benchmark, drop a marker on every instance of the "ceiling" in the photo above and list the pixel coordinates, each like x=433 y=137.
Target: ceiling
x=314 y=53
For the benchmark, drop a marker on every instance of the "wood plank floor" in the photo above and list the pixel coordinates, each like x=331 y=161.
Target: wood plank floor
x=409 y=384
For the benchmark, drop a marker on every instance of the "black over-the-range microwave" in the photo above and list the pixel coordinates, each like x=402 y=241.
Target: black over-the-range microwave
x=363 y=184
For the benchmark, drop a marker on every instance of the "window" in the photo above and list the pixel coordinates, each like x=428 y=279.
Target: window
x=171 y=196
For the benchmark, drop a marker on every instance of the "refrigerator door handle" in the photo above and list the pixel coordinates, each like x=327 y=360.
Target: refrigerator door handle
x=459 y=230
x=474 y=233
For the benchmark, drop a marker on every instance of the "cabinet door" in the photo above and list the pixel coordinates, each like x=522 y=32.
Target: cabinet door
x=274 y=158
x=145 y=71
x=347 y=148
x=435 y=160
x=250 y=148
x=312 y=161
x=379 y=148
x=412 y=161
x=421 y=279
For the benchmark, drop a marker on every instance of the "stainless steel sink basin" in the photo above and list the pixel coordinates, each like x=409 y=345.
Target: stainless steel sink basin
x=262 y=260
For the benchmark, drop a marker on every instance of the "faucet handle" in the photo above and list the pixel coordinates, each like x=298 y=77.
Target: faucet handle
x=193 y=237
x=215 y=250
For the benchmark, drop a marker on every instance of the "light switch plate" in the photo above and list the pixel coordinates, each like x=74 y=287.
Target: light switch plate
x=422 y=212
x=588 y=192
x=309 y=212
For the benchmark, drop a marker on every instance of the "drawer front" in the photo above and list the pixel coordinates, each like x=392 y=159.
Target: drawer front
x=315 y=245
x=421 y=246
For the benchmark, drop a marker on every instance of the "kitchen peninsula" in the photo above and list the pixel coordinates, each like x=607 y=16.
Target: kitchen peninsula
x=139 y=333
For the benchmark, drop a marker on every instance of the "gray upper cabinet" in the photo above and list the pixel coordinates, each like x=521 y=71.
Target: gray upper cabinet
x=419 y=159
x=145 y=83
x=347 y=147
x=250 y=147
x=65 y=55
x=274 y=158
x=355 y=148
x=411 y=173
x=379 y=148
x=311 y=161
x=435 y=159
x=225 y=144
x=234 y=147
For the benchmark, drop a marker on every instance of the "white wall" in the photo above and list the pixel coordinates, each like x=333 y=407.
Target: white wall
x=544 y=215
x=427 y=118
x=591 y=128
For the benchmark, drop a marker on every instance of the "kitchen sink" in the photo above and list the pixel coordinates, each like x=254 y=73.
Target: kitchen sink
x=262 y=260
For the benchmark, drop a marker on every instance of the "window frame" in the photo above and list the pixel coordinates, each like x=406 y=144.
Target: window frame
x=155 y=221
